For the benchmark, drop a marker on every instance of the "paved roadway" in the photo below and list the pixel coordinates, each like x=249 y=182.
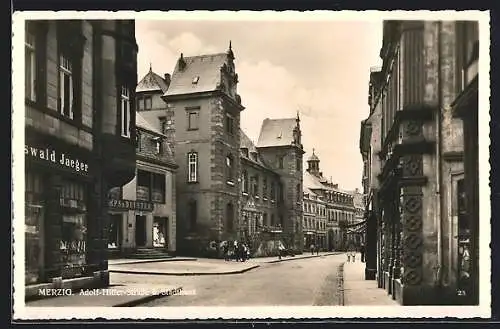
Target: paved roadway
x=303 y=282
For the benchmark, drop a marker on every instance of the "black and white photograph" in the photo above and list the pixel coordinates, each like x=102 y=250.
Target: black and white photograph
x=251 y=165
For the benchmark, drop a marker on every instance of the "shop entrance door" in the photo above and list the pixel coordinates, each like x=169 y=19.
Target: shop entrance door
x=115 y=229
x=140 y=231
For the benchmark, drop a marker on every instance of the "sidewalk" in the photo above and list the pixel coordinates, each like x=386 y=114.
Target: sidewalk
x=113 y=296
x=305 y=255
x=358 y=291
x=184 y=268
x=119 y=261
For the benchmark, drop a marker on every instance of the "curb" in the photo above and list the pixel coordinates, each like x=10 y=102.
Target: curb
x=145 y=299
x=139 y=261
x=299 y=258
x=340 y=283
x=185 y=273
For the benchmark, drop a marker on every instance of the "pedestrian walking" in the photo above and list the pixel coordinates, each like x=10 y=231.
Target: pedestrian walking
x=317 y=250
x=312 y=248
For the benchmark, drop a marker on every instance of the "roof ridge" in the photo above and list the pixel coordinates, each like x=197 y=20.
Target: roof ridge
x=205 y=55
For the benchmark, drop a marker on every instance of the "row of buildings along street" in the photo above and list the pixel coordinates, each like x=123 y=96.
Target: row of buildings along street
x=419 y=145
x=142 y=167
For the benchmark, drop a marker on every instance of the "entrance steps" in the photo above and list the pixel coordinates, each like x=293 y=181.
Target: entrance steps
x=149 y=253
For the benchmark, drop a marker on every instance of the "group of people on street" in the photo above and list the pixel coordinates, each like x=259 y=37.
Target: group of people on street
x=352 y=251
x=236 y=250
x=314 y=249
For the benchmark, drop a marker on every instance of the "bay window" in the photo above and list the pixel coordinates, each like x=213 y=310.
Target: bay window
x=151 y=186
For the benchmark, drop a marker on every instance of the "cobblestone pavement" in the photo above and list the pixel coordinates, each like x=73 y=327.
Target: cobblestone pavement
x=304 y=282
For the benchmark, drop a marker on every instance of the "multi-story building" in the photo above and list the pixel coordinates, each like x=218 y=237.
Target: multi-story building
x=80 y=142
x=227 y=187
x=356 y=230
x=280 y=147
x=332 y=204
x=261 y=201
x=426 y=202
x=314 y=225
x=142 y=213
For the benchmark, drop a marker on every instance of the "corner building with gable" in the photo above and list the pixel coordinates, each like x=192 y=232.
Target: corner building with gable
x=228 y=188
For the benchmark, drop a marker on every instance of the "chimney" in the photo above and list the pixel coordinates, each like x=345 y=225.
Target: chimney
x=167 y=78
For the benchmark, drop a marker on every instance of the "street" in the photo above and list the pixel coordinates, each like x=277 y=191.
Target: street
x=303 y=282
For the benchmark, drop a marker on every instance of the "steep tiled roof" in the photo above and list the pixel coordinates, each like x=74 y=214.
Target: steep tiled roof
x=307 y=190
x=205 y=67
x=246 y=142
x=312 y=182
x=151 y=82
x=276 y=132
x=141 y=122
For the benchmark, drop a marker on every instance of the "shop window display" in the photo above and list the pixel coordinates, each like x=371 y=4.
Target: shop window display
x=159 y=232
x=74 y=229
x=34 y=216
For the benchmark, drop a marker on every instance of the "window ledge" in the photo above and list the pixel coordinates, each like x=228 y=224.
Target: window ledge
x=192 y=182
x=231 y=183
x=257 y=197
x=244 y=193
x=265 y=199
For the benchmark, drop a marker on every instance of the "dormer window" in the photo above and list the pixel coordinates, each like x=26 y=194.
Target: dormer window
x=245 y=151
x=195 y=80
x=157 y=144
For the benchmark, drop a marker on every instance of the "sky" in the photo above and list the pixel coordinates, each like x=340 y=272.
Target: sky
x=318 y=68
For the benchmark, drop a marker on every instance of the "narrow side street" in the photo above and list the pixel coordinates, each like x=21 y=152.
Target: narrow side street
x=303 y=282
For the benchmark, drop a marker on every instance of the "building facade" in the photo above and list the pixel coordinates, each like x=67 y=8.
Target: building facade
x=143 y=212
x=261 y=201
x=424 y=205
x=227 y=187
x=315 y=221
x=332 y=204
x=80 y=143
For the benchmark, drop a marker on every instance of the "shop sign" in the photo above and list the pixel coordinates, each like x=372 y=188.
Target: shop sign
x=130 y=204
x=57 y=157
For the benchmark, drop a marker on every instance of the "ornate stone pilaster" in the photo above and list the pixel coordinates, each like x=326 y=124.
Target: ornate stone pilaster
x=412 y=179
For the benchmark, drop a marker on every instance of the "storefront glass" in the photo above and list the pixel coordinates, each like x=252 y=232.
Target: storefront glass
x=74 y=229
x=34 y=220
x=159 y=225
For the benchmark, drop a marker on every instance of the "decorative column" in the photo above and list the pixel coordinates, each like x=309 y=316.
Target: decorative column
x=412 y=179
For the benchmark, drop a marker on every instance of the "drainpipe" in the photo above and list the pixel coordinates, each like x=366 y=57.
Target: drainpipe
x=439 y=177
